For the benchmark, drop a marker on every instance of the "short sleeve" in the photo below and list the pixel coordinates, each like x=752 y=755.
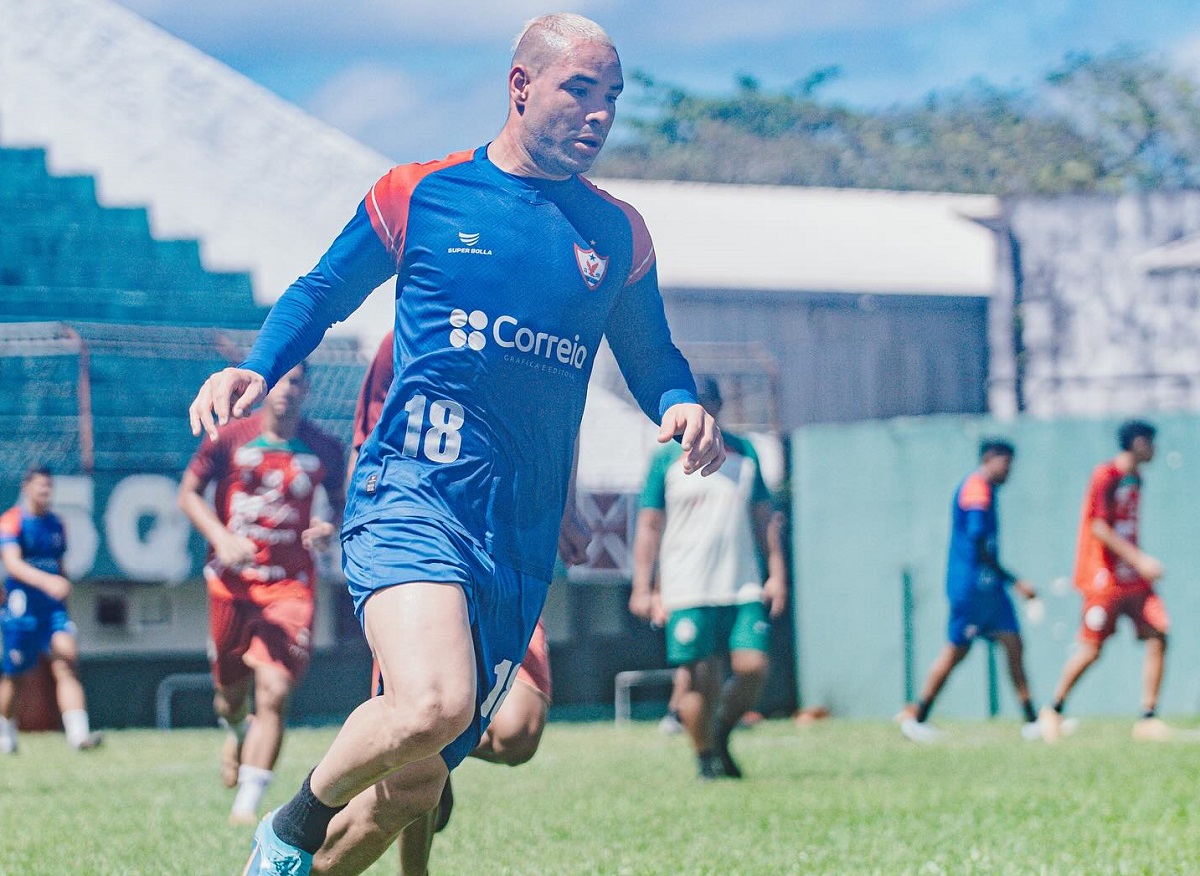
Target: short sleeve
x=211 y=461
x=10 y=527
x=975 y=494
x=654 y=493
x=1101 y=492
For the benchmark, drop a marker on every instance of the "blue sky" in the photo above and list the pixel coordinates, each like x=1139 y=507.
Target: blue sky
x=416 y=80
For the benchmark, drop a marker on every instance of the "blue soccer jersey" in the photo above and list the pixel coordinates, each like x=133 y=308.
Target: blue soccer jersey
x=29 y=616
x=505 y=287
x=973 y=520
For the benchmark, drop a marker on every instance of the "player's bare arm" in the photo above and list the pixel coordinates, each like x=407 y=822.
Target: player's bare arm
x=768 y=532
x=647 y=540
x=231 y=549
x=231 y=392
x=704 y=449
x=54 y=586
x=1024 y=588
x=1145 y=565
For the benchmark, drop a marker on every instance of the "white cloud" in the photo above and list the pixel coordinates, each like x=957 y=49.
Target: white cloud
x=1185 y=53
x=407 y=117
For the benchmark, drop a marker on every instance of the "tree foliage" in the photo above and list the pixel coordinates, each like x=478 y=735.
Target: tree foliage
x=1110 y=123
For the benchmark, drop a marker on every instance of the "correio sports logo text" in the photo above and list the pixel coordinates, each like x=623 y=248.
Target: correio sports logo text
x=473 y=330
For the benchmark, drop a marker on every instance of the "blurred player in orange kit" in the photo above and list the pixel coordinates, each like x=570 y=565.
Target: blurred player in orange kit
x=260 y=573
x=1116 y=578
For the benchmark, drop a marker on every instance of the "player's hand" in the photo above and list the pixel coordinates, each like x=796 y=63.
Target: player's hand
x=774 y=596
x=641 y=604
x=228 y=393
x=658 y=614
x=57 y=587
x=318 y=535
x=235 y=551
x=1148 y=568
x=1025 y=589
x=574 y=536
x=703 y=448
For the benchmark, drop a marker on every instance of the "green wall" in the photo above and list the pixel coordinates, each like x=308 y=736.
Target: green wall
x=871 y=501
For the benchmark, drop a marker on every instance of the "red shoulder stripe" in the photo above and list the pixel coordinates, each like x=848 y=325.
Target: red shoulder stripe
x=643 y=246
x=388 y=200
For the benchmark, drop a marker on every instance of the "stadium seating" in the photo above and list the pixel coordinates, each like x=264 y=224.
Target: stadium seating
x=98 y=315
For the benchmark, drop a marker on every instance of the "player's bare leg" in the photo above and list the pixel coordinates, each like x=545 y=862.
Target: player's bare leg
x=514 y=734
x=421 y=638
x=696 y=710
x=420 y=635
x=749 y=668
x=511 y=739
x=263 y=740
x=1050 y=717
x=10 y=694
x=64 y=666
x=1014 y=650
x=912 y=718
x=1149 y=727
x=231 y=703
x=363 y=831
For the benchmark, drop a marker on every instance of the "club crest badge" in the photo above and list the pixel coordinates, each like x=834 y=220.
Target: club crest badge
x=591 y=266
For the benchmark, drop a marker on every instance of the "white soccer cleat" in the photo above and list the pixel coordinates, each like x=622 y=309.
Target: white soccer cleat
x=1050 y=723
x=919 y=731
x=1031 y=731
x=1151 y=730
x=669 y=725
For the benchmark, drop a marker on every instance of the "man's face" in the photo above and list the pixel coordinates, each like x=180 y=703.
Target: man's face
x=1143 y=448
x=38 y=490
x=570 y=107
x=288 y=394
x=999 y=466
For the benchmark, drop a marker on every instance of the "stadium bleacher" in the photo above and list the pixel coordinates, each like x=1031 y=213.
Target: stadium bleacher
x=91 y=304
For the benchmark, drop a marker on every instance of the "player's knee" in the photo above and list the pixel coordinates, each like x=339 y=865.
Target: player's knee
x=517 y=746
x=429 y=722
x=271 y=692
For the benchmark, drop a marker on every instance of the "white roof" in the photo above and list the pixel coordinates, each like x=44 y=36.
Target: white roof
x=786 y=238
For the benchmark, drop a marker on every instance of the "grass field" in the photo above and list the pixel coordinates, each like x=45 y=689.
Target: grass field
x=829 y=799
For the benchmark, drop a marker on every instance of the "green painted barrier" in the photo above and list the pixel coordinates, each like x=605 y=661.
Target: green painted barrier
x=871 y=518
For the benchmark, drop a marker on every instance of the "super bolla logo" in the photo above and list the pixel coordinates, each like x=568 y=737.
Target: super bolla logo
x=470 y=330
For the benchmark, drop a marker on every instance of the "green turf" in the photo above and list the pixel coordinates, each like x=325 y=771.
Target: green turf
x=833 y=798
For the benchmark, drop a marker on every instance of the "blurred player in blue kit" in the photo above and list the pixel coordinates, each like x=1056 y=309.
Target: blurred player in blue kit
x=510 y=270
x=34 y=619
x=977 y=587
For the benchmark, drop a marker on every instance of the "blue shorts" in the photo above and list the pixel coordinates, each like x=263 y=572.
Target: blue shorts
x=503 y=605
x=28 y=620
x=984 y=614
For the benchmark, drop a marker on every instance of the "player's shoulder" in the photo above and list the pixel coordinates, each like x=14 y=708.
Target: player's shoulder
x=402 y=179
x=1105 y=473
x=975 y=493
x=237 y=432
x=10 y=520
x=631 y=214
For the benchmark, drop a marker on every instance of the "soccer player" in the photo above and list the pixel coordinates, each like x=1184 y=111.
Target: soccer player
x=34 y=619
x=708 y=539
x=976 y=585
x=260 y=573
x=1116 y=577
x=510 y=270
x=515 y=732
